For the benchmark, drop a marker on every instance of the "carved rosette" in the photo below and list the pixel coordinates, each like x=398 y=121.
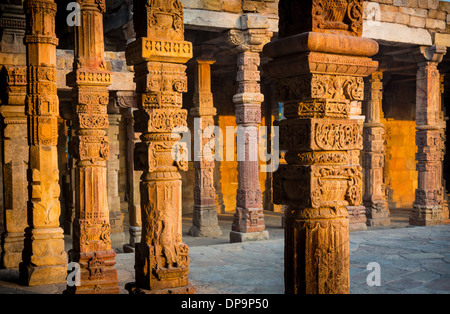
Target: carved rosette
x=44 y=258
x=158 y=55
x=319 y=77
x=90 y=148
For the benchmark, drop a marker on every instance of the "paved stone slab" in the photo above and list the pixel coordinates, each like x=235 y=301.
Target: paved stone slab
x=407 y=257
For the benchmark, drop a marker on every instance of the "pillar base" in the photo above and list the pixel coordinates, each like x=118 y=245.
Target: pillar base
x=12 y=247
x=117 y=239
x=248 y=236
x=205 y=222
x=42 y=275
x=360 y=226
x=357 y=218
x=202 y=231
x=378 y=222
x=133 y=289
x=128 y=248
x=426 y=216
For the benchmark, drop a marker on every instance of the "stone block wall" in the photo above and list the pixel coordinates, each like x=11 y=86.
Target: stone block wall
x=432 y=15
x=264 y=7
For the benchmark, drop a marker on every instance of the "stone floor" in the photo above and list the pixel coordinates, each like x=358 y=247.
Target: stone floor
x=412 y=260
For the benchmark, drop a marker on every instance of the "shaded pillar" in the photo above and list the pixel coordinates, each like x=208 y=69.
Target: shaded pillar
x=205 y=222
x=91 y=227
x=44 y=258
x=357 y=213
x=158 y=56
x=430 y=140
x=319 y=62
x=112 y=176
x=248 y=223
x=127 y=101
x=15 y=164
x=374 y=154
x=445 y=204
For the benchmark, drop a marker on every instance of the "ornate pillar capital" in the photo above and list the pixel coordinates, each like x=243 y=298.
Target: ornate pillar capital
x=433 y=54
x=321 y=177
x=249 y=40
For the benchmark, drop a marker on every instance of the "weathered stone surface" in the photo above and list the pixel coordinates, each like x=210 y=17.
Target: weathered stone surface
x=249 y=216
x=158 y=54
x=44 y=258
x=127 y=100
x=116 y=217
x=320 y=178
x=204 y=222
x=430 y=140
x=374 y=154
x=15 y=164
x=91 y=227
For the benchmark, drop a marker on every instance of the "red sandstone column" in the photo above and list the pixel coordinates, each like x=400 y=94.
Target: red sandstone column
x=158 y=56
x=430 y=139
x=91 y=227
x=248 y=223
x=44 y=258
x=374 y=150
x=319 y=62
x=116 y=216
x=204 y=222
x=15 y=164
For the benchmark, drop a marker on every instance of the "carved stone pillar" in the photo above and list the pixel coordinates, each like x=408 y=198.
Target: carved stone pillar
x=430 y=139
x=91 y=228
x=374 y=152
x=158 y=56
x=205 y=221
x=44 y=258
x=12 y=30
x=15 y=164
x=357 y=213
x=112 y=176
x=127 y=102
x=319 y=62
x=445 y=203
x=248 y=223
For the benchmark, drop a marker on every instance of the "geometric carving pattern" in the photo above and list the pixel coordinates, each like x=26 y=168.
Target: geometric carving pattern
x=342 y=17
x=90 y=147
x=205 y=221
x=318 y=85
x=249 y=214
x=44 y=258
x=158 y=55
x=430 y=141
x=374 y=154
